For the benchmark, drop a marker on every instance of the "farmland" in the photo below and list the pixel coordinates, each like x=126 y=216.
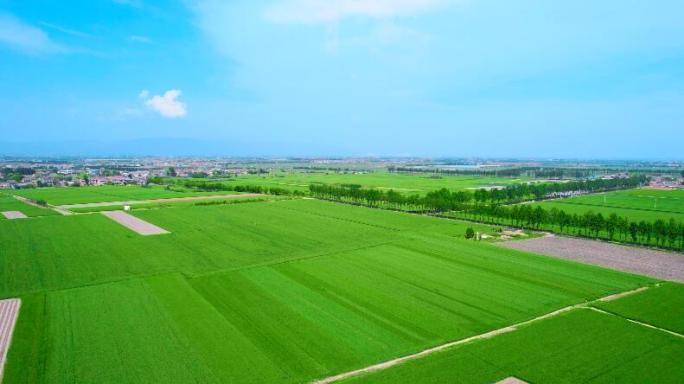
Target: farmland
x=105 y=193
x=403 y=183
x=349 y=287
x=635 y=204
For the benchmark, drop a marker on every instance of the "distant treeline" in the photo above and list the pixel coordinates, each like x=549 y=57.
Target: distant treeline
x=207 y=186
x=486 y=206
x=662 y=233
x=445 y=200
x=314 y=169
x=537 y=172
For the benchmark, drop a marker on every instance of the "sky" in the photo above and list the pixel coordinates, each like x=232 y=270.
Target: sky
x=542 y=79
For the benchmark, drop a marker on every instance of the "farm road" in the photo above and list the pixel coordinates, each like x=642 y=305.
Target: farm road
x=153 y=201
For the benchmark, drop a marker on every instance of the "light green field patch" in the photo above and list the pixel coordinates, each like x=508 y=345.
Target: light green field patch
x=582 y=346
x=351 y=309
x=661 y=306
x=635 y=204
x=104 y=193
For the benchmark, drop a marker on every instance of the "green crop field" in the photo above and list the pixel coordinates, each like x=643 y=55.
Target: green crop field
x=635 y=204
x=9 y=203
x=582 y=346
x=274 y=291
x=662 y=306
x=405 y=183
x=105 y=193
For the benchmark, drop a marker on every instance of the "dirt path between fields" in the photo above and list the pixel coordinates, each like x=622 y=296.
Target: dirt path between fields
x=644 y=261
x=9 y=311
x=31 y=202
x=487 y=335
x=154 y=201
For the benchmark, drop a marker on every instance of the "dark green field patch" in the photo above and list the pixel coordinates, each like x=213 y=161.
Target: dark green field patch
x=155 y=330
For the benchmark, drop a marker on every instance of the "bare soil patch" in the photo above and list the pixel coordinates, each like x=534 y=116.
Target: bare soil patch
x=511 y=380
x=12 y=215
x=9 y=311
x=660 y=264
x=135 y=224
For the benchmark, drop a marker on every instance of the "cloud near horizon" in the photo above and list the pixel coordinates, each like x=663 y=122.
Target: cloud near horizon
x=332 y=11
x=25 y=37
x=167 y=105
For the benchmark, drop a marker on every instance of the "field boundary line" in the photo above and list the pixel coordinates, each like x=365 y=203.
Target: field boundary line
x=643 y=324
x=487 y=335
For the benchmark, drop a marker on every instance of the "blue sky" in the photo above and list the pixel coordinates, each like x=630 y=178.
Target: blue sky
x=580 y=79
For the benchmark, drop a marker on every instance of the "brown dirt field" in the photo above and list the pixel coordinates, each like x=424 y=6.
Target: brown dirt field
x=9 y=311
x=12 y=215
x=660 y=264
x=135 y=224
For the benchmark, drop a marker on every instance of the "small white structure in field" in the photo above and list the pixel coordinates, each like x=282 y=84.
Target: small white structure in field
x=127 y=207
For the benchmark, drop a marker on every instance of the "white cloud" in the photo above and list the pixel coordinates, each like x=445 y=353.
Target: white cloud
x=166 y=105
x=25 y=37
x=332 y=11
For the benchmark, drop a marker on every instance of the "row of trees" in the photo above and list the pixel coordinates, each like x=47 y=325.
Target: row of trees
x=445 y=200
x=465 y=204
x=662 y=233
x=207 y=186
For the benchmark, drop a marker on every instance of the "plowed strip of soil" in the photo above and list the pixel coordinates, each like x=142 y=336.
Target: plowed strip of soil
x=660 y=264
x=11 y=215
x=9 y=311
x=134 y=224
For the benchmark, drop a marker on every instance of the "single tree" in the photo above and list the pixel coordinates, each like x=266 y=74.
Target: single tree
x=470 y=233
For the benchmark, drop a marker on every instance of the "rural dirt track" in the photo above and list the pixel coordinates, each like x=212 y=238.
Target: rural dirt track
x=487 y=335
x=9 y=311
x=660 y=264
x=31 y=202
x=135 y=224
x=153 y=201
x=12 y=215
